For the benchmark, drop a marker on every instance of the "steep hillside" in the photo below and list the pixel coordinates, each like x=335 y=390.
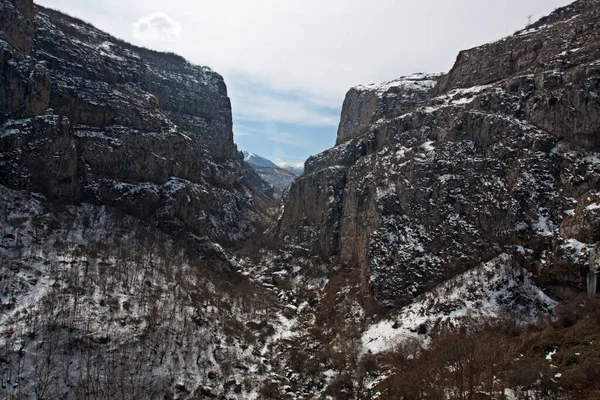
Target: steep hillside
x=258 y=161
x=118 y=180
x=499 y=157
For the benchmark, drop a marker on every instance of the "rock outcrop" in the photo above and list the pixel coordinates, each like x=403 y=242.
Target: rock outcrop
x=498 y=157
x=87 y=117
x=365 y=105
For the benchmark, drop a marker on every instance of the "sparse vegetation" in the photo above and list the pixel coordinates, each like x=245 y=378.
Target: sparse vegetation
x=549 y=360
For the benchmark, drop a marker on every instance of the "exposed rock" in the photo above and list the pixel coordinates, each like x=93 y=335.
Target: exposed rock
x=553 y=63
x=315 y=200
x=16 y=24
x=484 y=163
x=364 y=105
x=114 y=124
x=42 y=156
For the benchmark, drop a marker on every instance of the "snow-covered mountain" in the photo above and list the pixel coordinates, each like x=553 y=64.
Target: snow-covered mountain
x=275 y=175
x=296 y=168
x=258 y=161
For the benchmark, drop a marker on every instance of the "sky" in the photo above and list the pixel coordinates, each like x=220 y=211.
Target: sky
x=288 y=64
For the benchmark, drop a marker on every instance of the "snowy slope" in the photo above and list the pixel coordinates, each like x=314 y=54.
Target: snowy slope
x=296 y=168
x=258 y=161
x=87 y=291
x=406 y=84
x=493 y=290
x=277 y=176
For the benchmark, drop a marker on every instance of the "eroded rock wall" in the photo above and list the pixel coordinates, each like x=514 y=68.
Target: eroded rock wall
x=498 y=157
x=88 y=117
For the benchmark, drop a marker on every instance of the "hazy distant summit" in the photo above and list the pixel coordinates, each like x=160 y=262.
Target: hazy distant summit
x=279 y=176
x=296 y=168
x=258 y=161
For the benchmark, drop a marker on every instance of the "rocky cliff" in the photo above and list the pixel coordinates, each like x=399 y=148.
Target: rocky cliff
x=119 y=182
x=499 y=156
x=87 y=117
x=365 y=105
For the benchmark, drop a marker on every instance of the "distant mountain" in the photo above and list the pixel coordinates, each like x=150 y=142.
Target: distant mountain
x=277 y=176
x=258 y=161
x=296 y=168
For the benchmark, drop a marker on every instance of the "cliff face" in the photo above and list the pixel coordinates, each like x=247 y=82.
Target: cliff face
x=87 y=117
x=365 y=105
x=118 y=179
x=556 y=58
x=16 y=19
x=498 y=157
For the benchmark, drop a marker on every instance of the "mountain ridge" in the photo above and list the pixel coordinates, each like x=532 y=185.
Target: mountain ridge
x=275 y=175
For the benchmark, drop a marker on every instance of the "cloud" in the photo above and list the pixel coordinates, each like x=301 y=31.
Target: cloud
x=272 y=108
x=257 y=103
x=240 y=130
x=289 y=138
x=156 y=27
x=301 y=57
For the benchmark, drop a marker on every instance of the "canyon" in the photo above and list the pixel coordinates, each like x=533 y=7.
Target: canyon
x=142 y=257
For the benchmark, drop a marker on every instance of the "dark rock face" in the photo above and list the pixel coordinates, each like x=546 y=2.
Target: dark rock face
x=16 y=19
x=44 y=157
x=114 y=124
x=24 y=83
x=554 y=62
x=364 y=105
x=499 y=157
x=315 y=200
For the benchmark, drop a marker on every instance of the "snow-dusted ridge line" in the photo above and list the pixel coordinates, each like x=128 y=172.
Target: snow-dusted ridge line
x=418 y=81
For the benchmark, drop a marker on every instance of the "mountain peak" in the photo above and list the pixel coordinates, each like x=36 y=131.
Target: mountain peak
x=258 y=161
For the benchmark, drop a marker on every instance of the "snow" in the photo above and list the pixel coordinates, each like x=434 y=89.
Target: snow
x=257 y=160
x=576 y=251
x=9 y=132
x=428 y=146
x=420 y=82
x=296 y=168
x=484 y=292
x=550 y=354
x=593 y=207
x=89 y=134
x=544 y=226
x=38 y=271
x=105 y=49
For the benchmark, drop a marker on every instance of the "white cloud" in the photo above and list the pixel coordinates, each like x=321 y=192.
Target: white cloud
x=156 y=27
x=240 y=130
x=289 y=138
x=266 y=106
